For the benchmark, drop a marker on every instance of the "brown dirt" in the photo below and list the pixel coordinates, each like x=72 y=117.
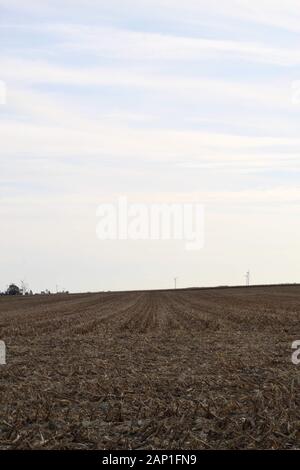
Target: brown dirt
x=165 y=370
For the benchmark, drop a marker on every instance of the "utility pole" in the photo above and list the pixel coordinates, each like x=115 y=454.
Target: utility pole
x=175 y=282
x=247 y=276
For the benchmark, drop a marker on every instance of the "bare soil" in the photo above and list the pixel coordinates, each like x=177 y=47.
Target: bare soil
x=185 y=369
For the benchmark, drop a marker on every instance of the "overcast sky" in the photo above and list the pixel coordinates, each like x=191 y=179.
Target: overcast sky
x=154 y=100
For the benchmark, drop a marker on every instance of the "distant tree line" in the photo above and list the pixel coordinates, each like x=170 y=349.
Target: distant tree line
x=13 y=289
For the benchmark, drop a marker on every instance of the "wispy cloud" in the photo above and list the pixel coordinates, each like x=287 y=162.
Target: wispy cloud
x=275 y=13
x=116 y=43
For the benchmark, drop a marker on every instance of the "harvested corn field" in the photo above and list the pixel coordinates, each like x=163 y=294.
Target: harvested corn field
x=185 y=369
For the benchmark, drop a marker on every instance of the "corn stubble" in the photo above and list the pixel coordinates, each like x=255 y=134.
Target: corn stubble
x=185 y=369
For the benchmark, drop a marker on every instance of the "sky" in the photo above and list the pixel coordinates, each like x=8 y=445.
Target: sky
x=152 y=100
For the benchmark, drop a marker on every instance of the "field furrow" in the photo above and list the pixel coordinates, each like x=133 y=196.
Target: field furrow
x=195 y=368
